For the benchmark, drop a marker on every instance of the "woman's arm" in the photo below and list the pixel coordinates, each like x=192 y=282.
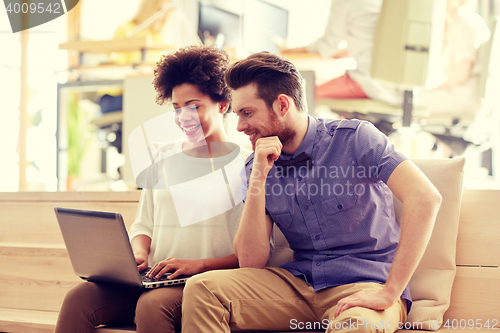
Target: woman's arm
x=140 y=246
x=459 y=73
x=302 y=49
x=342 y=53
x=191 y=267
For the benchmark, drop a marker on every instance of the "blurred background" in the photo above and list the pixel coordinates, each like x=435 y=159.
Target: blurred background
x=72 y=89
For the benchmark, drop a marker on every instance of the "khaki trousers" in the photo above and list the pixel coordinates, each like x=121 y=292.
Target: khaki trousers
x=273 y=299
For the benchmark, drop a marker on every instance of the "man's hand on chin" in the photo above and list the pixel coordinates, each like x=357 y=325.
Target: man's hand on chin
x=267 y=150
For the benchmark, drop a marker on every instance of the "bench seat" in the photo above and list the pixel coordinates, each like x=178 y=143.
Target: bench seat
x=36 y=271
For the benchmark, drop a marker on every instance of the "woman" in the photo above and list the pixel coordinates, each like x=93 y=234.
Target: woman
x=162 y=21
x=457 y=95
x=193 y=80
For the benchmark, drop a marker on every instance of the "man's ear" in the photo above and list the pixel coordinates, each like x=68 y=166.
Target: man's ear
x=284 y=103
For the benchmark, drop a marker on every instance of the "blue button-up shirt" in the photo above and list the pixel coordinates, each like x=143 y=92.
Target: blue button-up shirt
x=337 y=215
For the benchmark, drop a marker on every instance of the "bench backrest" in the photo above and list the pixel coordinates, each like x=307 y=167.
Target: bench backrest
x=36 y=272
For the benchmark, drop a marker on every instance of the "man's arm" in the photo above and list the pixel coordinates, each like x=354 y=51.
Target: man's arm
x=421 y=202
x=251 y=242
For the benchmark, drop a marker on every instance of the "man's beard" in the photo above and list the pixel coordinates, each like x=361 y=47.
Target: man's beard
x=279 y=129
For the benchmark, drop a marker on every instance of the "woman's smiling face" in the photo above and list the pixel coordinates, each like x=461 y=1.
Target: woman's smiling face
x=194 y=112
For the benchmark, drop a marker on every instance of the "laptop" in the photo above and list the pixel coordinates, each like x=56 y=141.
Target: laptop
x=100 y=251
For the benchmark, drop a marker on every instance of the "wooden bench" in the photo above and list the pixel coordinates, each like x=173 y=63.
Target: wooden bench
x=36 y=272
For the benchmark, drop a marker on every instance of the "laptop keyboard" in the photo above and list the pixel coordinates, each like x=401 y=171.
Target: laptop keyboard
x=146 y=279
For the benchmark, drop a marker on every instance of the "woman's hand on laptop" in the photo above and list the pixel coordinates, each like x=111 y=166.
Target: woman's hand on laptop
x=177 y=267
x=141 y=259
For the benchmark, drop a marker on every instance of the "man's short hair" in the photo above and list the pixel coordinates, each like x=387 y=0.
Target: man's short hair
x=273 y=75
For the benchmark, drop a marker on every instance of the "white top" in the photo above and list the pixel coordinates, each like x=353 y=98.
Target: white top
x=463 y=36
x=353 y=22
x=159 y=215
x=462 y=40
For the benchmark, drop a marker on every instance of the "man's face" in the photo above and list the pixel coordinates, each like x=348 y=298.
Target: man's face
x=256 y=119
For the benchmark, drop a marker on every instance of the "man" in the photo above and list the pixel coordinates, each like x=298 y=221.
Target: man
x=335 y=208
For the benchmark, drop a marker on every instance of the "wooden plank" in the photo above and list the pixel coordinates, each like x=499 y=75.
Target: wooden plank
x=73 y=30
x=475 y=294
x=27 y=321
x=34 y=293
x=114 y=45
x=479 y=228
x=70 y=196
x=36 y=222
x=23 y=327
x=15 y=321
x=31 y=249
x=37 y=278
x=111 y=71
x=108 y=119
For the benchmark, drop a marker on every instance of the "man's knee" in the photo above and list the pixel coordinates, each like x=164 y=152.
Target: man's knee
x=358 y=320
x=204 y=283
x=353 y=324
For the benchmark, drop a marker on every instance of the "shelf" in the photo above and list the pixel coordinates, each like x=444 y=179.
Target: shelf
x=110 y=71
x=114 y=45
x=108 y=119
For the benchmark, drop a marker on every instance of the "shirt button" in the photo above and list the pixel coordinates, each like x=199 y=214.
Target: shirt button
x=317 y=237
x=340 y=207
x=318 y=264
x=306 y=207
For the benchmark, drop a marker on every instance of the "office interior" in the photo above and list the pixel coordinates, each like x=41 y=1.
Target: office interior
x=73 y=89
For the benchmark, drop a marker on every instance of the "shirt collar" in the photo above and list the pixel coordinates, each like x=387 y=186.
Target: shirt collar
x=307 y=143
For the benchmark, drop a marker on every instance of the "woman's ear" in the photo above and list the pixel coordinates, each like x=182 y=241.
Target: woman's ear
x=223 y=107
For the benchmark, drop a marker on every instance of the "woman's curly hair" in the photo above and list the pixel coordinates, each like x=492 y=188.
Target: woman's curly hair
x=203 y=66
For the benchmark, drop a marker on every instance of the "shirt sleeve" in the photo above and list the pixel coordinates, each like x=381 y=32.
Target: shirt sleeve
x=144 y=219
x=245 y=174
x=335 y=31
x=375 y=153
